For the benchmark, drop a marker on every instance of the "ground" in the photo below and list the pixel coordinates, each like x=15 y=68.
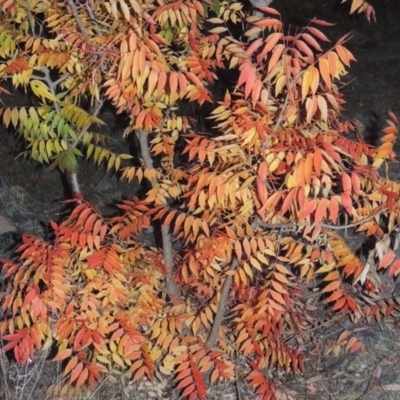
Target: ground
x=30 y=195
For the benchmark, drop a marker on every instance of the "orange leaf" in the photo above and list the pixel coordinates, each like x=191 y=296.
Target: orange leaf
x=271 y=42
x=269 y=22
x=71 y=364
x=278 y=297
x=162 y=80
x=317 y=33
x=251 y=78
x=152 y=81
x=254 y=46
x=323 y=64
x=62 y=355
x=344 y=55
x=336 y=295
x=351 y=342
x=169 y=218
x=238 y=250
x=308 y=168
x=269 y=10
x=182 y=84
x=244 y=75
x=355 y=180
x=320 y=211
x=346 y=183
x=311 y=41
x=304 y=48
x=356 y=346
x=311 y=106
x=139 y=373
x=82 y=377
x=331 y=287
x=255 y=95
x=275 y=56
x=246 y=247
x=84 y=214
x=173 y=82
x=76 y=372
x=317 y=160
x=333 y=209
x=339 y=305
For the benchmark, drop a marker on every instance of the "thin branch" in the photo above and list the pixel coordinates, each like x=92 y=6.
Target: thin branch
x=78 y=20
x=219 y=316
x=293 y=225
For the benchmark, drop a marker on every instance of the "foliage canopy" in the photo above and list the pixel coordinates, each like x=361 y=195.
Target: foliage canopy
x=258 y=203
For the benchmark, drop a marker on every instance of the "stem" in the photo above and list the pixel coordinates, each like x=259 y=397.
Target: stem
x=171 y=289
x=219 y=316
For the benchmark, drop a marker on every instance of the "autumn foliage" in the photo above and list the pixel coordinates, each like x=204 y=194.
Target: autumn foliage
x=259 y=204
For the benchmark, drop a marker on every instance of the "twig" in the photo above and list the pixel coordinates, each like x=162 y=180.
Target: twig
x=293 y=225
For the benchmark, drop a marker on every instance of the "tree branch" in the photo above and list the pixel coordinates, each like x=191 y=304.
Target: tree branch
x=78 y=20
x=171 y=289
x=219 y=316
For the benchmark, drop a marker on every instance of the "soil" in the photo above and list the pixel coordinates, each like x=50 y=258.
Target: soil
x=371 y=89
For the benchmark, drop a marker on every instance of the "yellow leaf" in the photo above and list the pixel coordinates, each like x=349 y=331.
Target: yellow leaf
x=41 y=90
x=305 y=85
x=103 y=359
x=218 y=30
x=135 y=6
x=125 y=10
x=255 y=263
x=118 y=360
x=15 y=117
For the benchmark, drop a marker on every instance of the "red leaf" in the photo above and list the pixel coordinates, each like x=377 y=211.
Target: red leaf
x=387 y=259
x=309 y=208
x=268 y=22
x=395 y=268
x=289 y=200
x=275 y=56
x=347 y=203
x=244 y=74
x=346 y=183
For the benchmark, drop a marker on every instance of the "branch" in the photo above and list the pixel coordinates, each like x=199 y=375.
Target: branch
x=293 y=225
x=171 y=289
x=221 y=306
x=78 y=20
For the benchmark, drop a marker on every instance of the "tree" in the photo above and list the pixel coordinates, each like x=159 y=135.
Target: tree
x=257 y=202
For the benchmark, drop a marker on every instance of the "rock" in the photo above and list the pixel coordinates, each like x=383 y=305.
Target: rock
x=6 y=225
